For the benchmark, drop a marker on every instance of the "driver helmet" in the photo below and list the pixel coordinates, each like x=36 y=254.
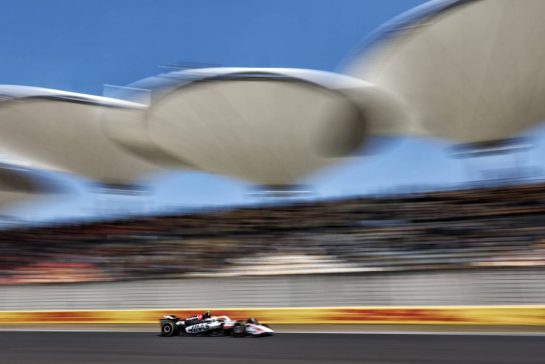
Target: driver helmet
x=206 y=315
x=251 y=320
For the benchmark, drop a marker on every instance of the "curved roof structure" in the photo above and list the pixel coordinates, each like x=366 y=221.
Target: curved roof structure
x=62 y=131
x=468 y=71
x=18 y=184
x=269 y=126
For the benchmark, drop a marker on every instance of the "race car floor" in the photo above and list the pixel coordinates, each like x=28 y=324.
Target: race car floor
x=146 y=347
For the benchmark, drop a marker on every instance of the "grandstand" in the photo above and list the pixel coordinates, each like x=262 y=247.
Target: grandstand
x=462 y=229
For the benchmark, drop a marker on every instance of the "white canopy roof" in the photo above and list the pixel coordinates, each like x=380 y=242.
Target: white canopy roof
x=62 y=131
x=269 y=126
x=264 y=125
x=469 y=71
x=18 y=184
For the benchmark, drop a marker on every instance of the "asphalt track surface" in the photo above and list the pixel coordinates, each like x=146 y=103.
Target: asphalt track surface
x=139 y=347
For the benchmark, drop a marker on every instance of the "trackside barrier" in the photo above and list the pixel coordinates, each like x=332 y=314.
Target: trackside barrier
x=449 y=315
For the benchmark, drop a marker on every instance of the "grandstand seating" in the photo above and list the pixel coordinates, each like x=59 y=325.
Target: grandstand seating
x=481 y=227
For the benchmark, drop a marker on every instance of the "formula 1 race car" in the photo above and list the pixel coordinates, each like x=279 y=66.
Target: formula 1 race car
x=212 y=325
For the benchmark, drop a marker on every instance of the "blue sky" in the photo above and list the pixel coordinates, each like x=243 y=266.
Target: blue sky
x=82 y=45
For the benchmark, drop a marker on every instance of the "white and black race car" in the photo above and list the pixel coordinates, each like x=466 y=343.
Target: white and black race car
x=212 y=325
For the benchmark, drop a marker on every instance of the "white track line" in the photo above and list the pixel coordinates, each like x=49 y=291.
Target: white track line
x=77 y=330
x=419 y=333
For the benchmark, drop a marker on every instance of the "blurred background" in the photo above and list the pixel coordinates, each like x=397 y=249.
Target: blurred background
x=315 y=153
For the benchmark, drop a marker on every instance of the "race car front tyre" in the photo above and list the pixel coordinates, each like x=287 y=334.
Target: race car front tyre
x=168 y=329
x=239 y=330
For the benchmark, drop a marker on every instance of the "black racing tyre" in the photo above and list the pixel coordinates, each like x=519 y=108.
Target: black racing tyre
x=239 y=330
x=168 y=329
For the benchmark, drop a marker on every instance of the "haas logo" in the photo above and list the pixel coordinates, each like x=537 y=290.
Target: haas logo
x=197 y=328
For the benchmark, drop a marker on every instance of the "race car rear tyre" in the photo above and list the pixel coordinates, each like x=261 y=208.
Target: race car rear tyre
x=239 y=330
x=168 y=329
